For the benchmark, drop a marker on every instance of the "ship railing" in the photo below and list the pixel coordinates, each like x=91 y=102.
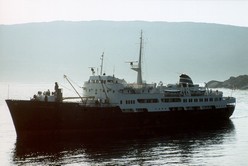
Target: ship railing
x=134 y=66
x=81 y=98
x=230 y=100
x=213 y=92
x=96 y=104
x=139 y=86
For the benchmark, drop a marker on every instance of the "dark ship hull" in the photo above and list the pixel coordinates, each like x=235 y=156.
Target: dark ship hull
x=34 y=118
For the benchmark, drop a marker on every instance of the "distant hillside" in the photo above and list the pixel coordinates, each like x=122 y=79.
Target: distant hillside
x=240 y=82
x=46 y=51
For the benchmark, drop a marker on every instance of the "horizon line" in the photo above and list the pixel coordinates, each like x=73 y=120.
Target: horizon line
x=148 y=21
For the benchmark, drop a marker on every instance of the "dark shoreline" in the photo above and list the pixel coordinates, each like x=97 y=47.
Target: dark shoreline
x=240 y=82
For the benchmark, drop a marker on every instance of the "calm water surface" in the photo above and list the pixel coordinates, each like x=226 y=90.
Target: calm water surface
x=226 y=144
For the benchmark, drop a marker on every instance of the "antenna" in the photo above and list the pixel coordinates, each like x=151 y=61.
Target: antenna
x=114 y=71
x=101 y=63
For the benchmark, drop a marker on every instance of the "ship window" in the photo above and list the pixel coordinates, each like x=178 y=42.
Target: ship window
x=195 y=100
x=190 y=100
x=176 y=108
x=206 y=100
x=201 y=99
x=147 y=100
x=165 y=100
x=210 y=99
x=127 y=110
x=141 y=110
x=169 y=100
x=176 y=100
x=130 y=101
x=185 y=100
x=120 y=101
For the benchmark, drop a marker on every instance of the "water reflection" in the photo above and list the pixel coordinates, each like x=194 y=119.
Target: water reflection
x=177 y=147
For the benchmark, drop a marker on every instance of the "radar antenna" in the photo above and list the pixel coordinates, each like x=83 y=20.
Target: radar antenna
x=92 y=70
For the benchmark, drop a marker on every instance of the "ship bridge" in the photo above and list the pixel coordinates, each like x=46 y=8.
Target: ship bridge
x=103 y=88
x=106 y=79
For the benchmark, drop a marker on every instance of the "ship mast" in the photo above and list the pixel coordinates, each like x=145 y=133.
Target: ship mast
x=138 y=67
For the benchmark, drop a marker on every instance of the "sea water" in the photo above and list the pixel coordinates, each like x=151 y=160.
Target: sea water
x=227 y=145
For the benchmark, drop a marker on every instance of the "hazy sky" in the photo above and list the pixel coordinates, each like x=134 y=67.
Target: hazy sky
x=233 y=12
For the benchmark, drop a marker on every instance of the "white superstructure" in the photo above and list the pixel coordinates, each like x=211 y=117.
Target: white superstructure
x=108 y=90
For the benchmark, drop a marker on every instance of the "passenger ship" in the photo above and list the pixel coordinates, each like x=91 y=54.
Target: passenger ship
x=110 y=104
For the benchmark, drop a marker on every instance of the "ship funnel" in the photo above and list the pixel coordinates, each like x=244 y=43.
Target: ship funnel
x=185 y=80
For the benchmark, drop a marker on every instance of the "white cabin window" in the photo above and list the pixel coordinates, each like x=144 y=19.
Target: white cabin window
x=169 y=100
x=147 y=100
x=130 y=101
